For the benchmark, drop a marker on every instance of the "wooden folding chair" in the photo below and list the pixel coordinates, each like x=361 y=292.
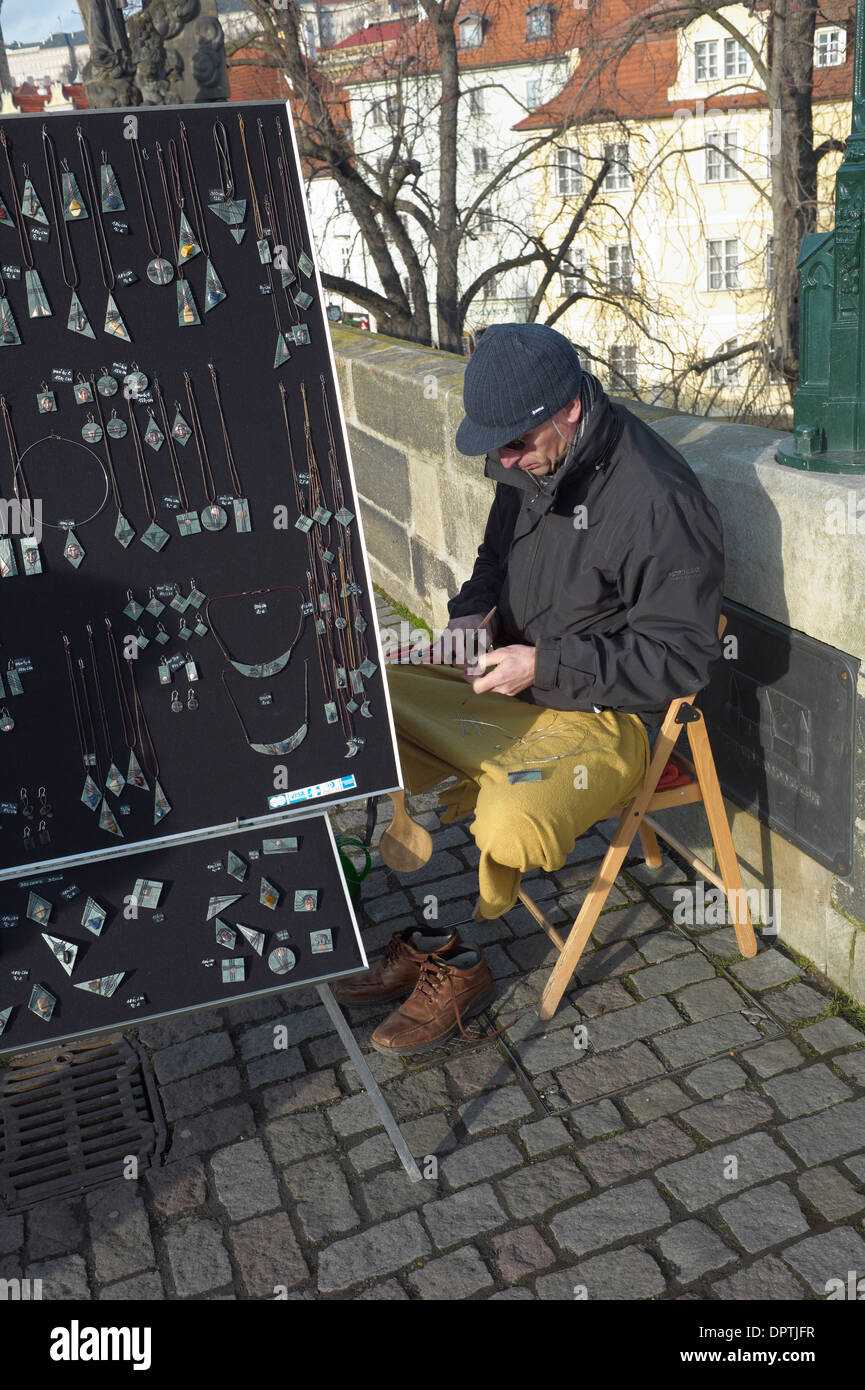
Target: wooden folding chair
x=634 y=818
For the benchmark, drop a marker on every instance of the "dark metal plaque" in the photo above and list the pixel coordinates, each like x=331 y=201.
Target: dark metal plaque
x=781 y=720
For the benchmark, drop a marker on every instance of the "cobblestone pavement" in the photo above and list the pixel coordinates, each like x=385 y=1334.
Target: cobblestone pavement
x=709 y=1143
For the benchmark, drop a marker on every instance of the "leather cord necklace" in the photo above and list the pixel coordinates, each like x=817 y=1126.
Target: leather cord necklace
x=37 y=300
x=213 y=516
x=259 y=670
x=114 y=323
x=159 y=270
x=124 y=531
x=155 y=537
x=187 y=520
x=242 y=520
x=285 y=745
x=114 y=779
x=187 y=247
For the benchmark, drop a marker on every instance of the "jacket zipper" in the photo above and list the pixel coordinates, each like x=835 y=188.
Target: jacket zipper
x=534 y=555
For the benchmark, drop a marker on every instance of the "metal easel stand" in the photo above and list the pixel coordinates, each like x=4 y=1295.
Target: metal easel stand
x=339 y=1022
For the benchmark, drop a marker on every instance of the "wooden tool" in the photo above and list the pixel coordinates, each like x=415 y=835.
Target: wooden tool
x=405 y=845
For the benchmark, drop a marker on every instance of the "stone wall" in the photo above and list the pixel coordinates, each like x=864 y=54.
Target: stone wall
x=424 y=507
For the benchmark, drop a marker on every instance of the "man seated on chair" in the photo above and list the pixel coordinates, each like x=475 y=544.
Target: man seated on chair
x=604 y=561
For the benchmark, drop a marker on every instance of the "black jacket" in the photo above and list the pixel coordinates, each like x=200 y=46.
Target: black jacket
x=621 y=600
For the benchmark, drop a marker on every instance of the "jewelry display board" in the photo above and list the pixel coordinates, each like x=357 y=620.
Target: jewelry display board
x=108 y=945
x=187 y=630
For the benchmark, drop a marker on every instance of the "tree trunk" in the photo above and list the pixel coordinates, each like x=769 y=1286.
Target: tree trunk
x=448 y=238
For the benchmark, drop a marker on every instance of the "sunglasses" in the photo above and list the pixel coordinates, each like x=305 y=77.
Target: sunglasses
x=517 y=444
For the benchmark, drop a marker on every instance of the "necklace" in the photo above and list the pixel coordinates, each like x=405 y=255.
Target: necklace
x=134 y=776
x=242 y=519
x=37 y=300
x=285 y=745
x=30 y=556
x=161 y=804
x=304 y=261
x=229 y=210
x=124 y=531
x=265 y=668
x=187 y=247
x=91 y=795
x=114 y=324
x=282 y=354
x=213 y=517
x=159 y=270
x=155 y=538
x=77 y=321
x=73 y=550
x=112 y=198
x=214 y=292
x=188 y=523
x=114 y=779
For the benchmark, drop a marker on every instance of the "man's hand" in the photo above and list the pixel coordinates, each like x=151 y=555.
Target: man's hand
x=437 y=652
x=513 y=670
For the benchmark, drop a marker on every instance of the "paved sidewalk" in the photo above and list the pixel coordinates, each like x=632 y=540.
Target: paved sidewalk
x=708 y=1143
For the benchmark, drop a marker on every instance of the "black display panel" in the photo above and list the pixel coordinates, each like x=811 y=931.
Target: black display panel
x=106 y=922
x=240 y=659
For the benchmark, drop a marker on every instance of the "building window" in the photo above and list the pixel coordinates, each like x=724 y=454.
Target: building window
x=722 y=156
x=735 y=59
x=722 y=260
x=476 y=101
x=346 y=263
x=539 y=22
x=573 y=273
x=620 y=268
x=339 y=199
x=770 y=261
x=533 y=93
x=385 y=112
x=569 y=178
x=623 y=366
x=726 y=373
x=490 y=288
x=619 y=172
x=706 y=60
x=325 y=28
x=480 y=157
x=471 y=29
x=830 y=48
x=485 y=219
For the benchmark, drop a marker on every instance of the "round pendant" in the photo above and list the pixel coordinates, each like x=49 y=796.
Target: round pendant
x=214 y=517
x=107 y=386
x=7 y=723
x=160 y=271
x=91 y=433
x=137 y=380
x=117 y=428
x=282 y=960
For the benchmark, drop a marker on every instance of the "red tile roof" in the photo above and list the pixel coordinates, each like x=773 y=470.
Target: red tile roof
x=28 y=99
x=375 y=33
x=611 y=83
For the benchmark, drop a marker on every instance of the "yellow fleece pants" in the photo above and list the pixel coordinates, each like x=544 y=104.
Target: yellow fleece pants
x=587 y=762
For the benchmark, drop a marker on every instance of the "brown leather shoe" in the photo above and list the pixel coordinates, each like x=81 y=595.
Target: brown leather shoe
x=396 y=974
x=443 y=997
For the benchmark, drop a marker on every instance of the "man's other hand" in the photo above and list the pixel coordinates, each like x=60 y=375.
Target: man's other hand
x=513 y=670
x=437 y=650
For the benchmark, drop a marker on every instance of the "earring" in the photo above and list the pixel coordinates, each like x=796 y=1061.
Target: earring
x=7 y=723
x=191 y=701
x=44 y=837
x=26 y=808
x=176 y=703
x=45 y=810
x=29 y=846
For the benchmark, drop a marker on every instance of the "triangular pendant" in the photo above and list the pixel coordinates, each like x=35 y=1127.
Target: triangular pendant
x=282 y=353
x=213 y=291
x=108 y=820
x=288 y=277
x=65 y=951
x=180 y=430
x=232 y=213
x=112 y=198
x=114 y=323
x=236 y=866
x=73 y=550
x=37 y=300
x=123 y=531
x=238 y=233
x=5 y=1015
x=105 y=985
x=91 y=795
x=134 y=776
x=115 y=781
x=155 y=537
x=93 y=917
x=153 y=435
x=187 y=246
x=78 y=321
x=268 y=895
x=5 y=219
x=161 y=804
x=255 y=938
x=220 y=903
x=187 y=311
x=9 y=335
x=74 y=209
x=31 y=206
x=38 y=908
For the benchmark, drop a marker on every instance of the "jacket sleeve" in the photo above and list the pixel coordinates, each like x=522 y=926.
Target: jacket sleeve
x=481 y=592
x=671 y=579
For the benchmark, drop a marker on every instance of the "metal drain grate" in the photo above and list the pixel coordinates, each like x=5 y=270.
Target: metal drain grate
x=70 y=1115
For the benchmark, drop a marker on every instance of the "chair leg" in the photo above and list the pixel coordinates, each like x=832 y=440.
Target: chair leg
x=651 y=850
x=728 y=863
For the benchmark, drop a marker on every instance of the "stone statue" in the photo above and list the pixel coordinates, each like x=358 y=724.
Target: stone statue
x=108 y=71
x=173 y=53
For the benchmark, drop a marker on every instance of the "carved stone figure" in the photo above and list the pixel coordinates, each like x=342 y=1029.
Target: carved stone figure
x=173 y=53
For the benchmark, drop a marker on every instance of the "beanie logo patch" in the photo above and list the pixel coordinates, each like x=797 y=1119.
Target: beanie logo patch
x=537 y=410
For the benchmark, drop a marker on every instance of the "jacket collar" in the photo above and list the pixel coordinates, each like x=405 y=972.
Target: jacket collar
x=592 y=446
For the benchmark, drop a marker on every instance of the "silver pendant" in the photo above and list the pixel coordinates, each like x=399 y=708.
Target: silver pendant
x=282 y=960
x=154 y=537
x=242 y=520
x=236 y=866
x=38 y=909
x=42 y=1002
x=286 y=745
x=93 y=916
x=105 y=985
x=64 y=951
x=225 y=935
x=161 y=804
x=108 y=821
x=188 y=523
x=214 y=518
x=91 y=795
x=255 y=938
x=220 y=903
x=30 y=556
x=73 y=550
x=268 y=895
x=234 y=970
x=160 y=271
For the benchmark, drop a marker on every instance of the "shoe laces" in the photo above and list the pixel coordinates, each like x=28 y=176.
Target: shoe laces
x=435 y=974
